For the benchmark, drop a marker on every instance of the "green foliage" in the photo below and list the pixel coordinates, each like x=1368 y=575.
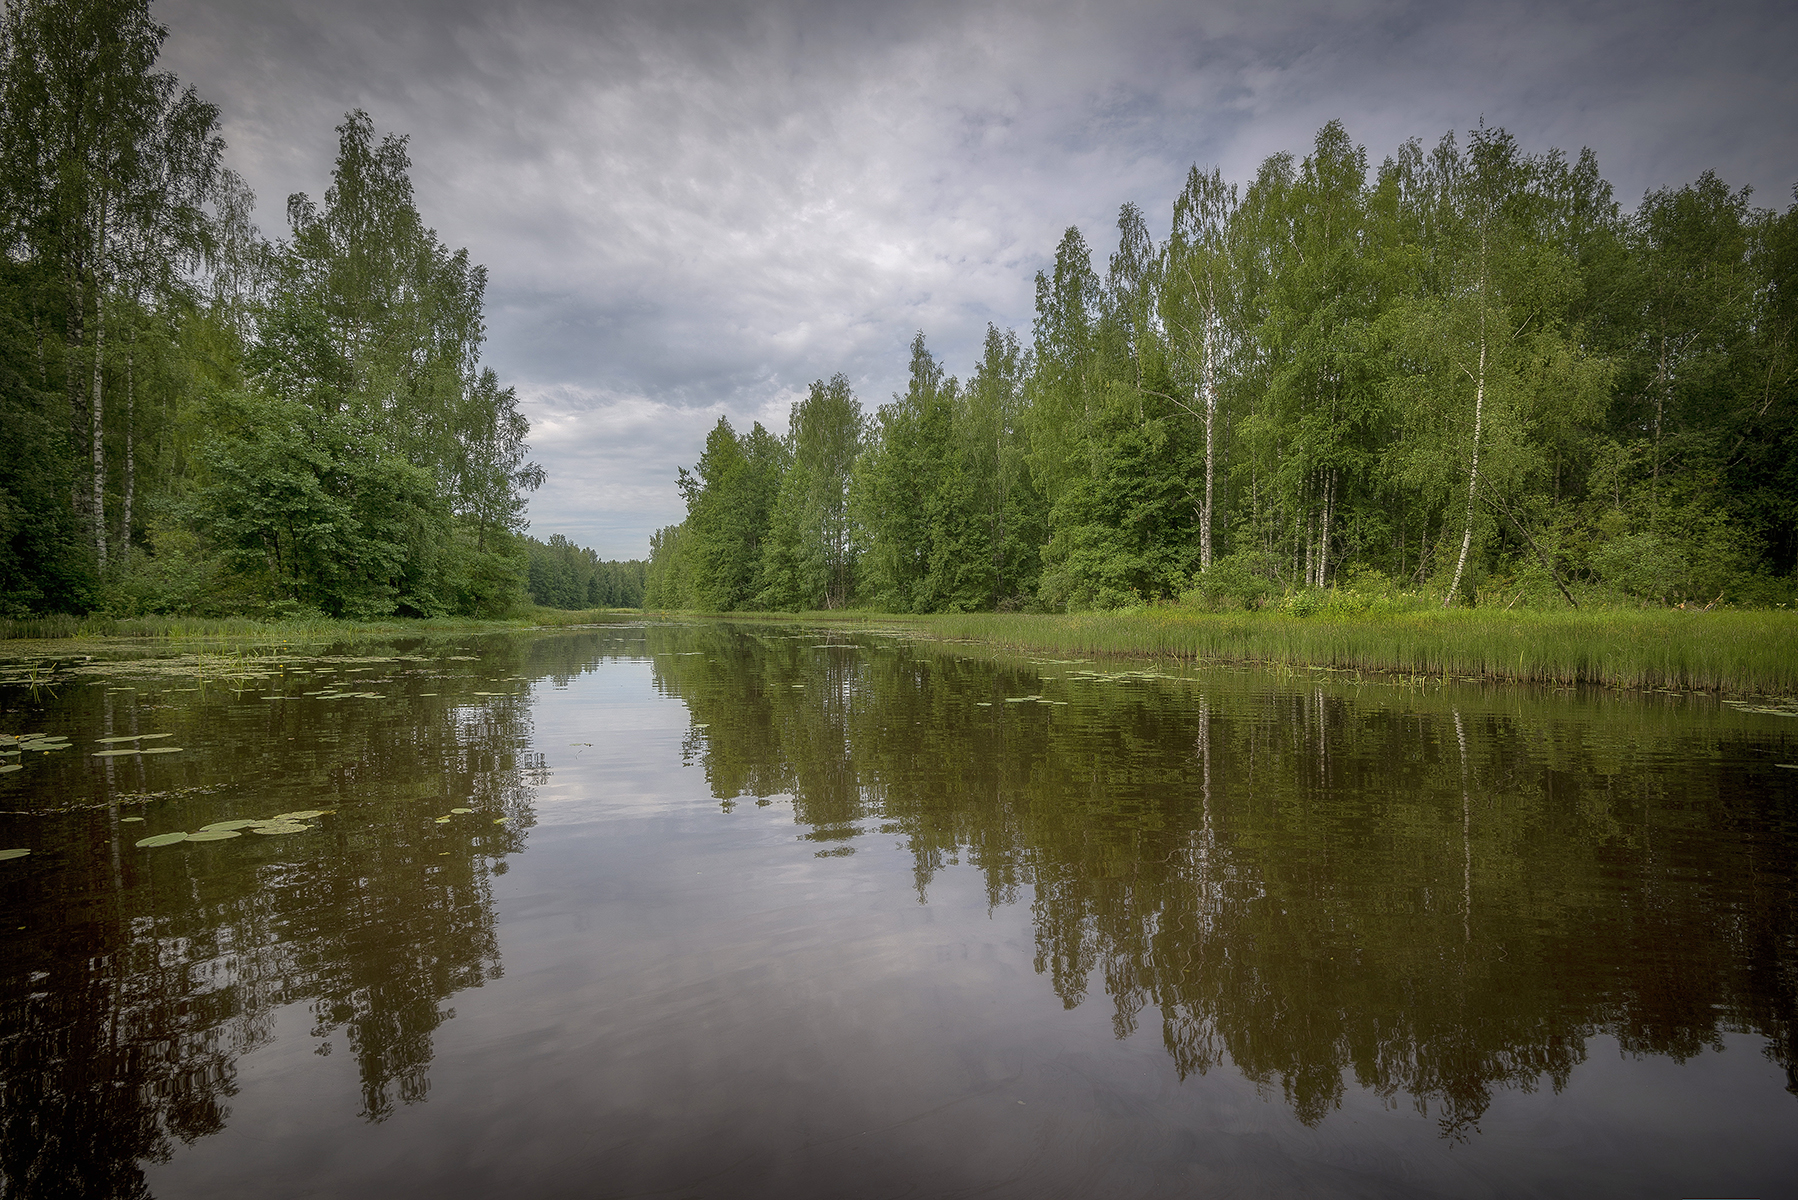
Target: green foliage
x=1469 y=378
x=809 y=560
x=666 y=578
x=899 y=489
x=200 y=421
x=570 y=577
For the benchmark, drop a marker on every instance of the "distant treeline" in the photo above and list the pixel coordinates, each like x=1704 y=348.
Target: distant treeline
x=197 y=420
x=564 y=575
x=1469 y=370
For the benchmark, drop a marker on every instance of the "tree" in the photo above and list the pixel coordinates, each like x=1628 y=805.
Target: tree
x=811 y=555
x=108 y=166
x=729 y=496
x=897 y=483
x=1196 y=302
x=1488 y=370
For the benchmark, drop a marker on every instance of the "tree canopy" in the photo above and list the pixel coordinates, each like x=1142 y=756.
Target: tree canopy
x=200 y=419
x=1465 y=372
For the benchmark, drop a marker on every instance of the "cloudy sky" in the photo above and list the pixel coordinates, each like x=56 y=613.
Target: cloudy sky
x=695 y=209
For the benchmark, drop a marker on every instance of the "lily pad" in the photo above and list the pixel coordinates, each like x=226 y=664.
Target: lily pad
x=137 y=750
x=443 y=820
x=300 y=814
x=11 y=767
x=241 y=823
x=461 y=810
x=273 y=827
x=21 y=852
x=213 y=835
x=135 y=737
x=162 y=839
x=123 y=820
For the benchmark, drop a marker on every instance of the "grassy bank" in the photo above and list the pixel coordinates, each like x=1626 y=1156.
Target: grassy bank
x=94 y=627
x=1733 y=650
x=1746 y=651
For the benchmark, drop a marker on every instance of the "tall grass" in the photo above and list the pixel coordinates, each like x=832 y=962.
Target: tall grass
x=77 y=628
x=1728 y=650
x=1733 y=650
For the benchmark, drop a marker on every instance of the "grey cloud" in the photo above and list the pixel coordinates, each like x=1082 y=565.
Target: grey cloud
x=694 y=209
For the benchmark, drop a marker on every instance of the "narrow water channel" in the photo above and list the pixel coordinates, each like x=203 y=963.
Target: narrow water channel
x=744 y=911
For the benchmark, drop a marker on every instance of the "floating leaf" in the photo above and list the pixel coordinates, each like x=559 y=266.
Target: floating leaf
x=443 y=820
x=11 y=767
x=213 y=835
x=461 y=810
x=242 y=823
x=162 y=839
x=501 y=820
x=134 y=737
x=21 y=852
x=274 y=827
x=122 y=820
x=302 y=814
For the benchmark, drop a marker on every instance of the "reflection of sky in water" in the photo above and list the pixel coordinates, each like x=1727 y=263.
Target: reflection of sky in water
x=1376 y=919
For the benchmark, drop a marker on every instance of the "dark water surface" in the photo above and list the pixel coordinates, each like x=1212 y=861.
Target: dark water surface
x=755 y=911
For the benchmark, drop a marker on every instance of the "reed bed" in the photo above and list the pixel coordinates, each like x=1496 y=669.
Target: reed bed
x=81 y=628
x=1734 y=650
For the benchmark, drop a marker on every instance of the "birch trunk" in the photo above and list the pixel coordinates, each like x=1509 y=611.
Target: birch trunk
x=1323 y=533
x=98 y=410
x=1473 y=472
x=130 y=453
x=78 y=423
x=1210 y=385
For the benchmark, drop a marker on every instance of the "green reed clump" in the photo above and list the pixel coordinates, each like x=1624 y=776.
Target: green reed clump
x=308 y=628
x=1724 y=650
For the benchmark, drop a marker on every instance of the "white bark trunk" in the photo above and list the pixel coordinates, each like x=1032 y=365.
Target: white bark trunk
x=1473 y=471
x=99 y=425
x=1210 y=386
x=130 y=455
x=1323 y=533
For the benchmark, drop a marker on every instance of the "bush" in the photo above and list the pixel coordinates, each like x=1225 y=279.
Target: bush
x=1239 y=580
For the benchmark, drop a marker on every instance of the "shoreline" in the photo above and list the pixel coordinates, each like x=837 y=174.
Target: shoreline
x=1748 y=651
x=1743 y=651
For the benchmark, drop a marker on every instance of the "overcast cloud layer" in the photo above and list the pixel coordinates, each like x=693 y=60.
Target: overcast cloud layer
x=690 y=210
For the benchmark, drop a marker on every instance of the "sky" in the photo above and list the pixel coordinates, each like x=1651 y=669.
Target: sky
x=693 y=210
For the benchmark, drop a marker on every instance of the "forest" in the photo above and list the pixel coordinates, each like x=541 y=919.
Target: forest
x=201 y=420
x=563 y=575
x=1466 y=376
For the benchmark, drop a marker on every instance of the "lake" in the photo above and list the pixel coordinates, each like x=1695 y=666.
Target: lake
x=744 y=910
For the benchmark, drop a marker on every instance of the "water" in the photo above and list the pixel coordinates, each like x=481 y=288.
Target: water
x=758 y=911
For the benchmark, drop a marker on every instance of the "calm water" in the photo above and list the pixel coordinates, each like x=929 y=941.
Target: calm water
x=750 y=911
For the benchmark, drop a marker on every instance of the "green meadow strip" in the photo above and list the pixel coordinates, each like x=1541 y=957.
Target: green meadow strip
x=1723 y=651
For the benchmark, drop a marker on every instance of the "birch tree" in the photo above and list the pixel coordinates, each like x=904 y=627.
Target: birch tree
x=1195 y=300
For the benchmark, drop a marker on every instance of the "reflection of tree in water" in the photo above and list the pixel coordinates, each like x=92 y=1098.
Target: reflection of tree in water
x=143 y=976
x=1437 y=897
